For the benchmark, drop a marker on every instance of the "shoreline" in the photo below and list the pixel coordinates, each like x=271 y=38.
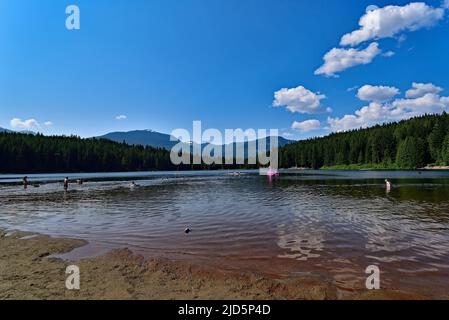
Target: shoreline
x=359 y=168
x=28 y=271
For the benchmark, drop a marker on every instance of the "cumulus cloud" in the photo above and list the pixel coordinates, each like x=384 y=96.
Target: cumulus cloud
x=121 y=117
x=399 y=109
x=17 y=123
x=307 y=126
x=420 y=89
x=300 y=100
x=389 y=21
x=377 y=93
x=339 y=59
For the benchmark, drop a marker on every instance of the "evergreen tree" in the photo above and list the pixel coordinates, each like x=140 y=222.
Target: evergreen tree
x=411 y=153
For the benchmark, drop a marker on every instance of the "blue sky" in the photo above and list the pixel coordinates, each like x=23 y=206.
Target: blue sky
x=163 y=64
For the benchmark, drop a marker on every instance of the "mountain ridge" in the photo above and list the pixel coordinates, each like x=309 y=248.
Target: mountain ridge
x=156 y=139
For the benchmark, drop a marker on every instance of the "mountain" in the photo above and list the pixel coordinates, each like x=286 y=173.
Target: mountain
x=23 y=132
x=281 y=142
x=142 y=137
x=27 y=132
x=245 y=145
x=162 y=140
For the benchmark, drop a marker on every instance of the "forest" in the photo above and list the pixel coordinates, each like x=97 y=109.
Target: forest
x=36 y=153
x=409 y=144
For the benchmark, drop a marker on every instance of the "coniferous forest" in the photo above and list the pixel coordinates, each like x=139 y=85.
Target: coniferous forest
x=36 y=153
x=408 y=144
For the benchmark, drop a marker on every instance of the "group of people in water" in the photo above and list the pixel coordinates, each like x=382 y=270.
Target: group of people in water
x=65 y=183
x=133 y=185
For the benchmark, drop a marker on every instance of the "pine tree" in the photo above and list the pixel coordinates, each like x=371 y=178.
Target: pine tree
x=410 y=154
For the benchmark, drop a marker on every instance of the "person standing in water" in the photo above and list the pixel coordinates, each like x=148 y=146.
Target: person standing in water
x=66 y=183
x=25 y=182
x=388 y=184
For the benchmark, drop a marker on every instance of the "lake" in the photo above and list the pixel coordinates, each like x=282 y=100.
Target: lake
x=332 y=224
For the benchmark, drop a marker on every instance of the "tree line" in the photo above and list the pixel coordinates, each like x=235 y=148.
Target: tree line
x=408 y=144
x=36 y=153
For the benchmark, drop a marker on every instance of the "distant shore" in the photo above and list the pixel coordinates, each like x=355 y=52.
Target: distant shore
x=436 y=168
x=28 y=271
x=357 y=167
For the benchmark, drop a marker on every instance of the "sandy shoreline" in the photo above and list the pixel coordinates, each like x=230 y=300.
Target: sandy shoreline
x=27 y=271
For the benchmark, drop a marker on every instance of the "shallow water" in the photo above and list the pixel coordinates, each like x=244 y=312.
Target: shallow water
x=330 y=223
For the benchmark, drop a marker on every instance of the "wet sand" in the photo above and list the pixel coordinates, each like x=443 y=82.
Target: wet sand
x=28 y=271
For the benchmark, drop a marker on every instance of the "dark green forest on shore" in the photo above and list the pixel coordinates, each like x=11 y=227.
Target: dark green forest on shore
x=409 y=144
x=36 y=153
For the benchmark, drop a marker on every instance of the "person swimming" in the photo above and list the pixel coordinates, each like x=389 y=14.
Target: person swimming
x=132 y=185
x=66 y=183
x=25 y=182
x=79 y=181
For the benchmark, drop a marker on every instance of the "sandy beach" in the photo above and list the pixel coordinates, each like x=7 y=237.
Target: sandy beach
x=28 y=271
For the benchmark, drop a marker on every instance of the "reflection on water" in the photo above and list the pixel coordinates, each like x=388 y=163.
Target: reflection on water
x=331 y=223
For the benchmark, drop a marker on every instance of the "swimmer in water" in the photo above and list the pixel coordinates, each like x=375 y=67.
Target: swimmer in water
x=388 y=184
x=25 y=182
x=132 y=185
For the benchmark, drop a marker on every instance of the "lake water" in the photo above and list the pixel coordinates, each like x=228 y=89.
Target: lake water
x=328 y=223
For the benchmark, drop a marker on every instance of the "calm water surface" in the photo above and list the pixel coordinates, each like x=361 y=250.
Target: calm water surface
x=328 y=223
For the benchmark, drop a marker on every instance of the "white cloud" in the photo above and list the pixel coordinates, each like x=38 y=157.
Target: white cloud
x=399 y=109
x=300 y=100
x=121 y=117
x=421 y=89
x=391 y=20
x=48 y=123
x=429 y=103
x=377 y=93
x=389 y=54
x=371 y=8
x=307 y=126
x=17 y=123
x=339 y=59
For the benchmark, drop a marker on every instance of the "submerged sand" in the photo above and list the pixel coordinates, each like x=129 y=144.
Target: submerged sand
x=28 y=271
